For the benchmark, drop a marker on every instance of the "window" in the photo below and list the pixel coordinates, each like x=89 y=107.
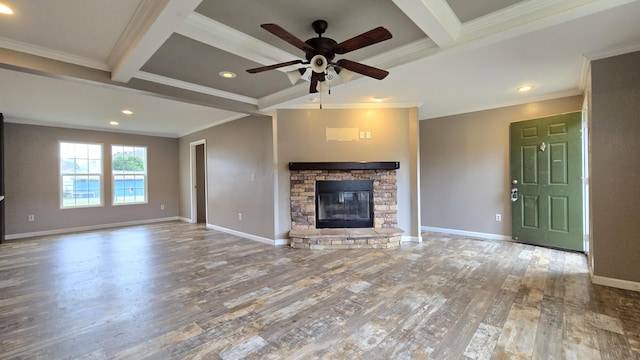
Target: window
x=80 y=175
x=129 y=165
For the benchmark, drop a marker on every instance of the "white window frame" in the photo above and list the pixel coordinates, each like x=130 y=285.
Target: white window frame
x=62 y=175
x=143 y=174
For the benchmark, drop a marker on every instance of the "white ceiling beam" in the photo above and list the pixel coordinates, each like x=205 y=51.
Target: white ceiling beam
x=223 y=37
x=434 y=17
x=151 y=25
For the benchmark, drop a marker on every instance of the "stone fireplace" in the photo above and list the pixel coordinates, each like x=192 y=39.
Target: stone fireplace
x=344 y=205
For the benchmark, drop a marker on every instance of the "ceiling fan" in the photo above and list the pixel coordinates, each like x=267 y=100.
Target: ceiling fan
x=320 y=52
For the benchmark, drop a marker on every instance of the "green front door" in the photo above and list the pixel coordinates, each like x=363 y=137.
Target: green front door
x=546 y=176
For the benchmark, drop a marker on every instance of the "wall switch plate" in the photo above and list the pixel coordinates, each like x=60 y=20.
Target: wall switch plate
x=162 y=207
x=239 y=216
x=498 y=217
x=368 y=134
x=32 y=218
x=361 y=134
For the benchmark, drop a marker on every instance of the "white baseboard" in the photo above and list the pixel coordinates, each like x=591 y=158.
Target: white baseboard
x=407 y=238
x=88 y=228
x=184 y=219
x=616 y=283
x=261 y=239
x=282 y=242
x=466 y=233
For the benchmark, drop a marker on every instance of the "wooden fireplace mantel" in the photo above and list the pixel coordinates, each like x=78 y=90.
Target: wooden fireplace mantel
x=363 y=165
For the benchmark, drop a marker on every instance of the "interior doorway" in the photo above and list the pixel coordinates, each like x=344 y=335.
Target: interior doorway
x=198 y=182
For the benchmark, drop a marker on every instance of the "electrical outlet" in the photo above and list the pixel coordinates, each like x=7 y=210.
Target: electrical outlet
x=239 y=216
x=32 y=218
x=498 y=217
x=162 y=207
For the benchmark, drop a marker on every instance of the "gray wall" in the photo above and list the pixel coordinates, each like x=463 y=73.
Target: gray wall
x=301 y=137
x=234 y=151
x=615 y=167
x=32 y=179
x=464 y=166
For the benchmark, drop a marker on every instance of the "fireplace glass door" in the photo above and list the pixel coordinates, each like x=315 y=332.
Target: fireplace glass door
x=344 y=204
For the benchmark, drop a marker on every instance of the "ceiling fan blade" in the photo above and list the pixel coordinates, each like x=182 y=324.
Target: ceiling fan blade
x=313 y=84
x=274 y=66
x=362 y=69
x=287 y=36
x=369 y=38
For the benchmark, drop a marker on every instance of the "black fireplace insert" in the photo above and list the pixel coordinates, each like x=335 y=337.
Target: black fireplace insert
x=344 y=204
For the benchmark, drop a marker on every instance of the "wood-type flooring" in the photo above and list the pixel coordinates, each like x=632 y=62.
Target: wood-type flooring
x=179 y=291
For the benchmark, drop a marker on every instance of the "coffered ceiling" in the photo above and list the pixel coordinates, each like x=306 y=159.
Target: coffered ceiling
x=78 y=63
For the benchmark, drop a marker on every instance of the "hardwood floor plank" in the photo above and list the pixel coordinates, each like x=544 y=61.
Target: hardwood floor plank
x=180 y=291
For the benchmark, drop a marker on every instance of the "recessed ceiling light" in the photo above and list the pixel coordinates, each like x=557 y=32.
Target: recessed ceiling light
x=114 y=123
x=377 y=99
x=525 y=88
x=4 y=9
x=227 y=74
x=127 y=112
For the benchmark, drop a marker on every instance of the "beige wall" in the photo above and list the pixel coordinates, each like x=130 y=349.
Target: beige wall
x=301 y=137
x=615 y=167
x=234 y=152
x=32 y=185
x=464 y=166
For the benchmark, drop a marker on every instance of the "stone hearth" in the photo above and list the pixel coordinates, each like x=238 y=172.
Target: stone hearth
x=346 y=238
x=384 y=233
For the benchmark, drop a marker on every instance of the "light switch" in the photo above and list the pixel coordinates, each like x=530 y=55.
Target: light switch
x=368 y=134
x=361 y=134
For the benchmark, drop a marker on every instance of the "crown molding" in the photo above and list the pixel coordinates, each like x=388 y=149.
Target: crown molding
x=422 y=112
x=532 y=15
x=193 y=87
x=216 y=123
x=111 y=129
x=144 y=16
x=52 y=54
x=613 y=51
x=216 y=34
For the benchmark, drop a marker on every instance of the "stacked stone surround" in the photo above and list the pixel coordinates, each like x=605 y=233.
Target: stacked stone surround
x=303 y=232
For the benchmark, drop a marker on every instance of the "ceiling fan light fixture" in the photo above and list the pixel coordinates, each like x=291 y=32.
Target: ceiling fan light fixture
x=295 y=75
x=345 y=75
x=323 y=86
x=319 y=64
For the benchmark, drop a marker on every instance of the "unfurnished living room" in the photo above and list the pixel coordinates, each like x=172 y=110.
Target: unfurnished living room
x=379 y=179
